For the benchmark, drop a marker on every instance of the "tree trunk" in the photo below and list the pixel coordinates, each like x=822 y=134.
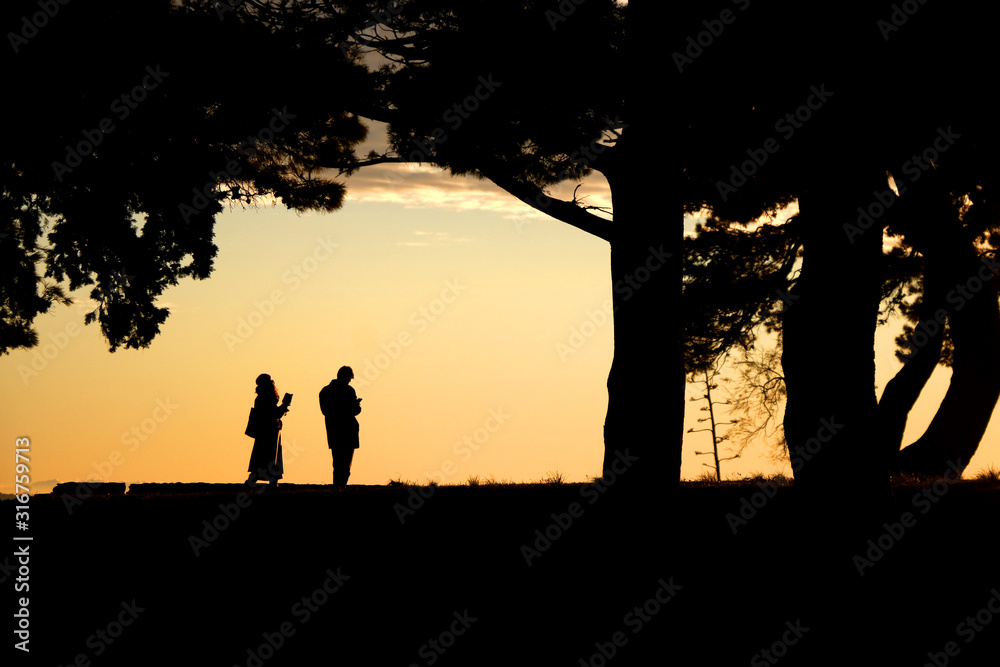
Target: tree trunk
x=828 y=358
x=903 y=390
x=644 y=428
x=954 y=434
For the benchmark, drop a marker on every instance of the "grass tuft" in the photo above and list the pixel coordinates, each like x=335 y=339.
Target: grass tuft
x=553 y=478
x=493 y=481
x=990 y=475
x=706 y=477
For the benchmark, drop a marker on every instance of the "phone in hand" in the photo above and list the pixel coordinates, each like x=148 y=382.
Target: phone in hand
x=287 y=400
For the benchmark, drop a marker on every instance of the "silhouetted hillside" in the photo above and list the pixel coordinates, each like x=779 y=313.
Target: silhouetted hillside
x=531 y=575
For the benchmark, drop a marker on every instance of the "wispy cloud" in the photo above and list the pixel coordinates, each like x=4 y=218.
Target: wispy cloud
x=432 y=238
x=424 y=186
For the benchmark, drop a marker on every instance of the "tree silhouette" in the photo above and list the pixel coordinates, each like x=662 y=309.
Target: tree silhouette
x=758 y=399
x=465 y=87
x=709 y=380
x=950 y=222
x=123 y=173
x=23 y=293
x=946 y=217
x=835 y=165
x=735 y=281
x=129 y=209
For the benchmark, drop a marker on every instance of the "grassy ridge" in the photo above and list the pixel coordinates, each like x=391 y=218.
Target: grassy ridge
x=493 y=574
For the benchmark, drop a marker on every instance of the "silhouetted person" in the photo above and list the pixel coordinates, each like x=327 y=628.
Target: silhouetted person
x=340 y=406
x=265 y=459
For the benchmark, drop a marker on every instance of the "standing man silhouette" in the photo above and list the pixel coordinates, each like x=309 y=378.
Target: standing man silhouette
x=340 y=405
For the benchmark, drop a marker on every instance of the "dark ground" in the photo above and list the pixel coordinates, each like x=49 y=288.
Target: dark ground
x=455 y=573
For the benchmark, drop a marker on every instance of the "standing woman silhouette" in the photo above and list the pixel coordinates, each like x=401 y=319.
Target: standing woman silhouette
x=265 y=459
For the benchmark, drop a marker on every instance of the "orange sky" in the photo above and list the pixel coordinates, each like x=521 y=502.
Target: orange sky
x=455 y=305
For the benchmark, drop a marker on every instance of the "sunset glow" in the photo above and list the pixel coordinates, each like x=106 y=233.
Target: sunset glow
x=477 y=329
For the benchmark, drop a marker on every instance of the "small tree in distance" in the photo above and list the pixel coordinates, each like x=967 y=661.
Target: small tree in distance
x=710 y=376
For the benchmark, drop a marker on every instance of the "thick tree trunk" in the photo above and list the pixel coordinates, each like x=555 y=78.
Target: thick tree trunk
x=828 y=358
x=924 y=352
x=954 y=434
x=644 y=428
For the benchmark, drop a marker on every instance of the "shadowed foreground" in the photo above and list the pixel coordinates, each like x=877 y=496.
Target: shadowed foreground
x=302 y=575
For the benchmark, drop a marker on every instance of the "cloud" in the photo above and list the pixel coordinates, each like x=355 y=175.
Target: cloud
x=432 y=238
x=426 y=186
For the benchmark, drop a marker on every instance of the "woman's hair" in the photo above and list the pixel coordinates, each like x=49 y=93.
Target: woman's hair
x=266 y=385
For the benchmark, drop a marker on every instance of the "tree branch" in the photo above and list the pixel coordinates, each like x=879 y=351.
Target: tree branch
x=572 y=213
x=564 y=211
